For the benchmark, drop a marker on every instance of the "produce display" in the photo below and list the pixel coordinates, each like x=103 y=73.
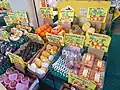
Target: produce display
x=97 y=77
x=99 y=65
x=69 y=61
x=88 y=60
x=29 y=50
x=14 y=80
x=41 y=62
x=5 y=47
x=47 y=28
x=85 y=72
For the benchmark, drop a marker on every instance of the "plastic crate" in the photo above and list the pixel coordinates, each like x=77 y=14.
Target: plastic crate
x=57 y=74
x=5 y=66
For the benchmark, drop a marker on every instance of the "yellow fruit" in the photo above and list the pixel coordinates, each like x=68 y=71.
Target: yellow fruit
x=53 y=52
x=45 y=53
x=38 y=63
x=48 y=48
x=43 y=58
x=55 y=48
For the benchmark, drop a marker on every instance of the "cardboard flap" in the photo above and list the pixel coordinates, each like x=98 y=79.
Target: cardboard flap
x=98 y=53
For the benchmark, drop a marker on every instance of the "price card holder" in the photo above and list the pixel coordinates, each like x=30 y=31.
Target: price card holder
x=80 y=82
x=74 y=40
x=35 y=37
x=16 y=59
x=58 y=39
x=66 y=14
x=46 y=12
x=98 y=41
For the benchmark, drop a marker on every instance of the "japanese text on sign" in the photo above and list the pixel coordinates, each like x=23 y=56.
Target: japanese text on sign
x=74 y=40
x=46 y=12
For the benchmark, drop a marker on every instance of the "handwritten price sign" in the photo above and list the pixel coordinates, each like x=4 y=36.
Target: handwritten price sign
x=46 y=12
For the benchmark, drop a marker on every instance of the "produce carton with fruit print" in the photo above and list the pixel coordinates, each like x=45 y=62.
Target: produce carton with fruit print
x=40 y=63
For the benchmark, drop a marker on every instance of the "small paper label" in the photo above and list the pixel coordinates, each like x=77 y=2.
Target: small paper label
x=99 y=64
x=88 y=58
x=97 y=77
x=85 y=71
x=83 y=11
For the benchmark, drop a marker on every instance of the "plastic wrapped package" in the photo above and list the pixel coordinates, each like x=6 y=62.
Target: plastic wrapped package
x=88 y=59
x=97 y=77
x=99 y=65
x=85 y=72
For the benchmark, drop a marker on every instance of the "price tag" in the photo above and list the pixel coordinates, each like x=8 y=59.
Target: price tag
x=83 y=11
x=22 y=16
x=80 y=82
x=98 y=41
x=74 y=40
x=66 y=15
x=35 y=37
x=4 y=35
x=46 y=12
x=97 y=14
x=58 y=39
x=16 y=59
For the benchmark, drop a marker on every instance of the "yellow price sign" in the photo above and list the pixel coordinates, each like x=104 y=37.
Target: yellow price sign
x=81 y=82
x=66 y=15
x=98 y=41
x=58 y=39
x=46 y=12
x=16 y=59
x=35 y=37
x=74 y=40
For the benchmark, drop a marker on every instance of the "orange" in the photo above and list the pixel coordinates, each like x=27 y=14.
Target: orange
x=38 y=30
x=47 y=25
x=44 y=27
x=42 y=34
x=48 y=30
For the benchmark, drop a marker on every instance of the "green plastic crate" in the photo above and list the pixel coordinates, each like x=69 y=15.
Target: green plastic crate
x=57 y=74
x=5 y=66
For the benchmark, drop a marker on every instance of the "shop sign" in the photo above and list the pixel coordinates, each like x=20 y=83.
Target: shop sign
x=97 y=14
x=66 y=14
x=98 y=41
x=81 y=82
x=35 y=37
x=16 y=59
x=58 y=39
x=4 y=35
x=74 y=40
x=46 y=12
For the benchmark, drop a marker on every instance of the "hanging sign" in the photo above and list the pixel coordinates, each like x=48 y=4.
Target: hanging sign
x=74 y=40
x=80 y=82
x=97 y=14
x=46 y=12
x=16 y=59
x=4 y=35
x=35 y=37
x=58 y=39
x=98 y=41
x=66 y=14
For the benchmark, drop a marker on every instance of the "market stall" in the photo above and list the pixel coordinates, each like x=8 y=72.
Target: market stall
x=73 y=51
